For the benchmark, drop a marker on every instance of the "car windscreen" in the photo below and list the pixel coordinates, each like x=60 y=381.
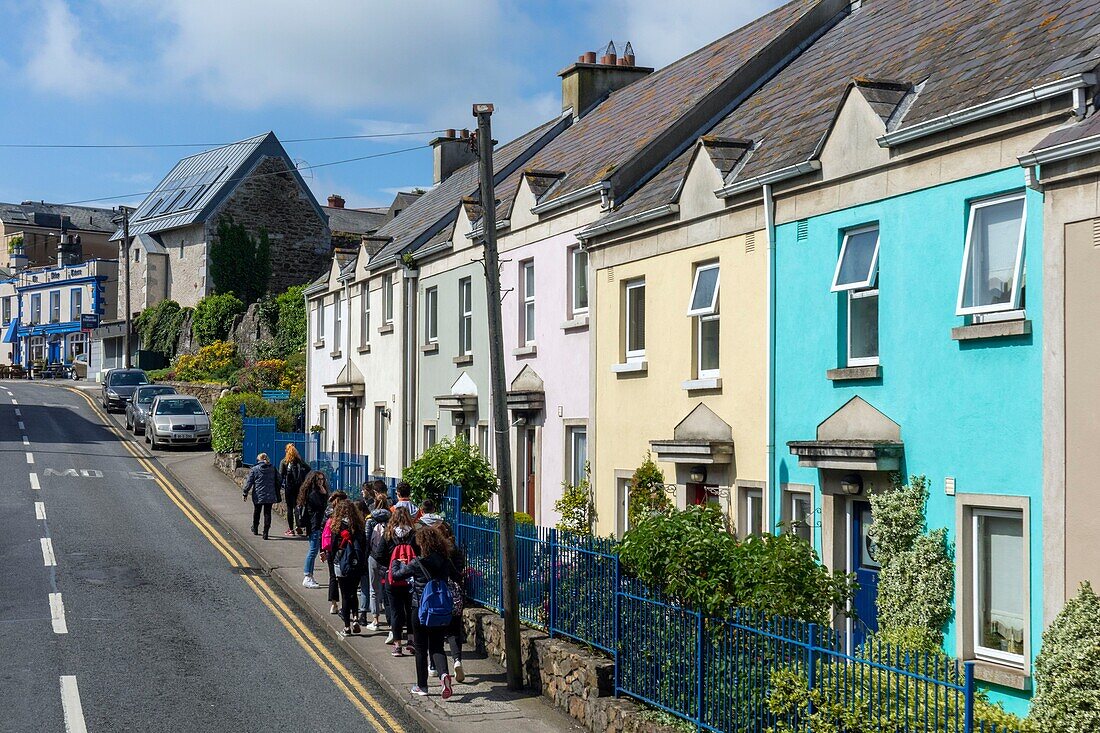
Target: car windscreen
x=128 y=379
x=179 y=407
x=146 y=396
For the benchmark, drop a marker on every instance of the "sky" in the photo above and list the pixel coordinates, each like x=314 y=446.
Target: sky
x=126 y=72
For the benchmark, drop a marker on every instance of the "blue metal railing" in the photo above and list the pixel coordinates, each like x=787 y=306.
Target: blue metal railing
x=716 y=673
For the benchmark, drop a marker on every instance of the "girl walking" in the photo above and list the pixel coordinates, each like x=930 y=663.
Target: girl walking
x=310 y=510
x=398 y=549
x=292 y=472
x=334 y=499
x=349 y=554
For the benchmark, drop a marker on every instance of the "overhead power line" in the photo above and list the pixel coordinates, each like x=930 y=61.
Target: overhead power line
x=210 y=145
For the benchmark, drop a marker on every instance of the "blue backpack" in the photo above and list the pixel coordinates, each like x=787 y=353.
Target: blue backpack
x=437 y=604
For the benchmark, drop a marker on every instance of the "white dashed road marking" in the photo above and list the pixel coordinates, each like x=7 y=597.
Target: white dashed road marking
x=48 y=558
x=34 y=480
x=70 y=703
x=57 y=614
x=39 y=510
x=22 y=426
x=26 y=440
x=18 y=413
x=30 y=458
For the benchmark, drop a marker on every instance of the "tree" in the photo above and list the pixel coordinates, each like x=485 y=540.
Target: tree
x=238 y=263
x=452 y=463
x=1067 y=670
x=214 y=316
x=290 y=328
x=647 y=491
x=160 y=327
x=575 y=506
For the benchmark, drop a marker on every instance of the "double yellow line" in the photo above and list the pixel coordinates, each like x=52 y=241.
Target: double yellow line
x=341 y=676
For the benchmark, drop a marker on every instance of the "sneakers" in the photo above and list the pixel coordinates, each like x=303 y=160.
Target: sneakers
x=389 y=638
x=333 y=609
x=397 y=650
x=416 y=690
x=431 y=670
x=309 y=582
x=372 y=626
x=410 y=649
x=355 y=628
x=447 y=691
x=345 y=632
x=459 y=674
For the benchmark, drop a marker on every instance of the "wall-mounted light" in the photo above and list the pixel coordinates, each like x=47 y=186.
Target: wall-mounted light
x=698 y=474
x=458 y=418
x=852 y=484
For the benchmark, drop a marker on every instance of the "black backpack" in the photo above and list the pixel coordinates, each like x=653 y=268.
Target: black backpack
x=296 y=472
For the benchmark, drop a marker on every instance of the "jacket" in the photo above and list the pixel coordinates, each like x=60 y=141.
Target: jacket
x=292 y=480
x=263 y=482
x=344 y=537
x=315 y=506
x=402 y=536
x=375 y=531
x=437 y=567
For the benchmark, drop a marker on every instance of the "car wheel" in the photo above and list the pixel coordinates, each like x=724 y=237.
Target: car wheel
x=153 y=441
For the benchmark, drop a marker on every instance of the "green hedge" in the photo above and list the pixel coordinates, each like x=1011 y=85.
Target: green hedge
x=226 y=427
x=214 y=316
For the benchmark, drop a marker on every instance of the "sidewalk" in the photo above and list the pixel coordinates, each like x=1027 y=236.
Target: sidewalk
x=482 y=701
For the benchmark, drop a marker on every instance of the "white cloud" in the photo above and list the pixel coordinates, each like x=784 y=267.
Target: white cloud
x=61 y=60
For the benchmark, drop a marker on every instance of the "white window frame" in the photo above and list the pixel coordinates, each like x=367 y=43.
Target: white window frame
x=465 y=316
x=854 y=361
x=364 y=325
x=337 y=321
x=431 y=436
x=1017 y=271
x=527 y=314
x=55 y=306
x=387 y=300
x=746 y=496
x=7 y=310
x=484 y=440
x=790 y=496
x=322 y=421
x=575 y=431
x=702 y=373
x=76 y=303
x=380 y=438
x=36 y=307
x=632 y=354
x=575 y=275
x=981 y=652
x=872 y=271
x=431 y=315
x=320 y=322
x=713 y=306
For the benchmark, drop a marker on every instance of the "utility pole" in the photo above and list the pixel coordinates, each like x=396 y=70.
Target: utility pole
x=508 y=570
x=129 y=310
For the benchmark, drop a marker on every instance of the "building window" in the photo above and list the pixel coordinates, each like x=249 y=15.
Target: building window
x=322 y=422
x=36 y=307
x=38 y=348
x=431 y=315
x=578 y=275
x=1000 y=585
x=993 y=260
x=137 y=255
x=380 y=438
x=578 y=455
x=7 y=310
x=78 y=346
x=466 y=316
x=55 y=306
x=337 y=321
x=703 y=307
x=320 y=322
x=364 y=325
x=484 y=442
x=635 y=320
x=798 y=513
x=76 y=303
x=429 y=436
x=527 y=293
x=857 y=275
x=387 y=300
x=750 y=511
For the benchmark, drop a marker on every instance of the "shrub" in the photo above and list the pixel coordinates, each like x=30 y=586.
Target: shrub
x=916 y=584
x=215 y=362
x=692 y=558
x=647 y=491
x=160 y=375
x=226 y=427
x=1067 y=670
x=160 y=326
x=450 y=463
x=290 y=330
x=239 y=263
x=575 y=506
x=214 y=316
x=270 y=374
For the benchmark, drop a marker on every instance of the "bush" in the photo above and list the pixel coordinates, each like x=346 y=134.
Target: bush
x=1067 y=670
x=226 y=427
x=692 y=558
x=214 y=316
x=160 y=326
x=160 y=375
x=916 y=584
x=239 y=263
x=450 y=463
x=213 y=363
x=575 y=506
x=647 y=491
x=290 y=329
x=270 y=374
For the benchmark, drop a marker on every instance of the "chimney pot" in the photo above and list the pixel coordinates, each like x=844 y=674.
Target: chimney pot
x=589 y=57
x=465 y=134
x=608 y=59
x=627 y=60
x=336 y=201
x=449 y=132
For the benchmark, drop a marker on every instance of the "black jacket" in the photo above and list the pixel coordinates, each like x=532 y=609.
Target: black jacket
x=263 y=482
x=315 y=505
x=292 y=475
x=436 y=567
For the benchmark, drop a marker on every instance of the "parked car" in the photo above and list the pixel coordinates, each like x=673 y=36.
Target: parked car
x=176 y=420
x=119 y=386
x=137 y=409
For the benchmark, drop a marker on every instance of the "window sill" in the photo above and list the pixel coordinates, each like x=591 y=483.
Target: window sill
x=631 y=367
x=318 y=344
x=432 y=348
x=387 y=328
x=364 y=349
x=996 y=329
x=698 y=385
x=464 y=360
x=999 y=674
x=528 y=350
x=335 y=354
x=580 y=321
x=848 y=374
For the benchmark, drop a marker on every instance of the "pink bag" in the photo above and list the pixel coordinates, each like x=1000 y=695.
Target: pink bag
x=326 y=537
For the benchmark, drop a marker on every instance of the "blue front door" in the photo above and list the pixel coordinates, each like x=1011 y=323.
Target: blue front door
x=866 y=569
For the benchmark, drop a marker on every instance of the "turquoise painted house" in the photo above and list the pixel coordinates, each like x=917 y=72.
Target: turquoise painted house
x=908 y=339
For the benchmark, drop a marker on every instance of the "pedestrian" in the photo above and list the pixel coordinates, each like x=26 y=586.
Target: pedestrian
x=334 y=498
x=404 y=500
x=432 y=599
x=310 y=511
x=381 y=494
x=372 y=595
x=428 y=515
x=263 y=482
x=456 y=632
x=349 y=551
x=292 y=472
x=398 y=547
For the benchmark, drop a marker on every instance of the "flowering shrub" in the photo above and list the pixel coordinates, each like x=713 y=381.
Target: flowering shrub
x=271 y=374
x=215 y=362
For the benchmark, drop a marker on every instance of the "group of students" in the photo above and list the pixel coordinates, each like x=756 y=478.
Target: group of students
x=399 y=562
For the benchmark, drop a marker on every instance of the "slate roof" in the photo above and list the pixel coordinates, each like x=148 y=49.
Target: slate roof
x=436 y=209
x=964 y=53
x=199 y=183
x=725 y=152
x=1089 y=127
x=84 y=218
x=355 y=221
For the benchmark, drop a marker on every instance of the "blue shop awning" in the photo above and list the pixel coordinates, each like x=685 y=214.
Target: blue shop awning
x=10 y=334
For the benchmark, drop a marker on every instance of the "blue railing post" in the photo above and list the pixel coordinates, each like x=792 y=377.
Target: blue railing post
x=968 y=699
x=811 y=665
x=615 y=626
x=551 y=622
x=699 y=671
x=243 y=411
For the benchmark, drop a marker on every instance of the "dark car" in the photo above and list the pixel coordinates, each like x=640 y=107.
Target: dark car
x=119 y=386
x=177 y=420
x=137 y=409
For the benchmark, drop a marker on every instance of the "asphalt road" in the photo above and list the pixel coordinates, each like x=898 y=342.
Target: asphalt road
x=116 y=610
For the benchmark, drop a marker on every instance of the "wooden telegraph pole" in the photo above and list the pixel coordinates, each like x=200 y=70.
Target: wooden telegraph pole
x=510 y=601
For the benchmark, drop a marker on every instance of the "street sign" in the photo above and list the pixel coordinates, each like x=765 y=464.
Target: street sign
x=88 y=321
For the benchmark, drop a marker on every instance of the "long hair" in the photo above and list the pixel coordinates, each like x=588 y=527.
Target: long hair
x=291 y=455
x=433 y=542
x=346 y=511
x=314 y=481
x=399 y=517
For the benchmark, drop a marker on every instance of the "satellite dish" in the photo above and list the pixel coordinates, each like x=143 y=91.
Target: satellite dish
x=303 y=168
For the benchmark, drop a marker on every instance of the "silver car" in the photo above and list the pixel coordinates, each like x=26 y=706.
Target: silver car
x=177 y=420
x=137 y=409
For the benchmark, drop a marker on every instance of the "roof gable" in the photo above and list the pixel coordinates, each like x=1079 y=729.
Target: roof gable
x=858 y=420
x=851 y=144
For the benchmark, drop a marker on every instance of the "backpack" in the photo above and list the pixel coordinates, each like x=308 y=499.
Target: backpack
x=437 y=603
x=296 y=473
x=403 y=554
x=301 y=515
x=349 y=558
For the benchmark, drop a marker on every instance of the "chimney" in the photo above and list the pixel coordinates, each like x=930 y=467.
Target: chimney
x=450 y=152
x=336 y=201
x=587 y=83
x=69 y=250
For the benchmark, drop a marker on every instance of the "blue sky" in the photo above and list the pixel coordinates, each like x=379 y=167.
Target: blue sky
x=212 y=71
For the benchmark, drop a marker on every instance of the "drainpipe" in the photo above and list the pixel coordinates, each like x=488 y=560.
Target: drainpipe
x=769 y=373
x=408 y=374
x=346 y=348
